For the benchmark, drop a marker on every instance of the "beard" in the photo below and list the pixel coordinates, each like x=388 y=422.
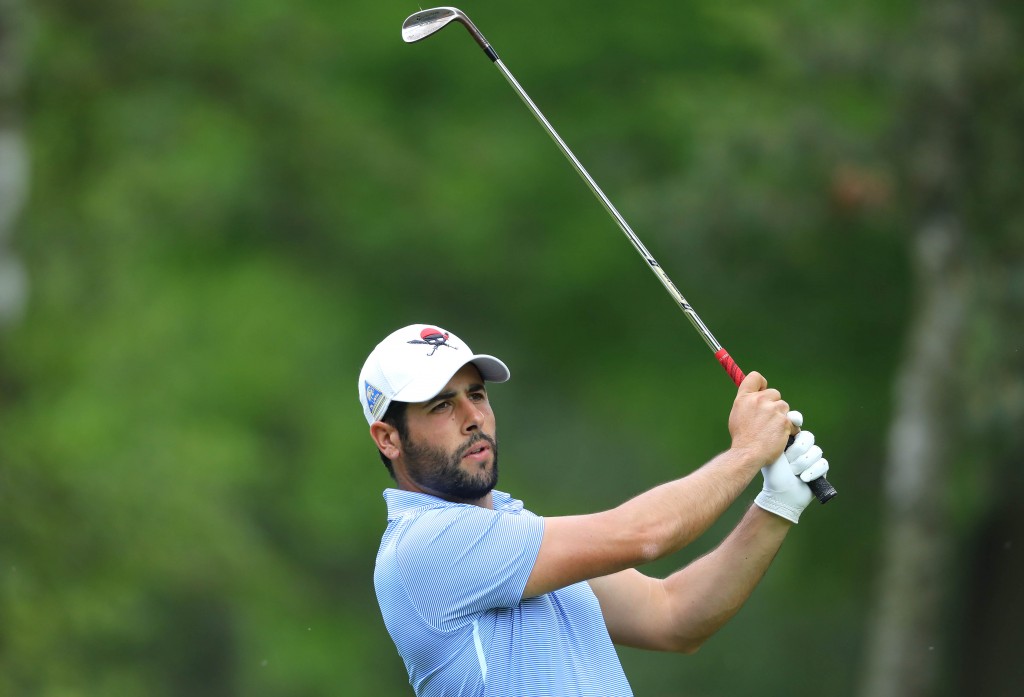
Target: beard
x=440 y=471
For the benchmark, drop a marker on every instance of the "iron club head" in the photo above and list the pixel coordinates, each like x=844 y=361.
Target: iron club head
x=424 y=23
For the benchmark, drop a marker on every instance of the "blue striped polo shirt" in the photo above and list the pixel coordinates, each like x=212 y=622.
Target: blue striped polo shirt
x=450 y=579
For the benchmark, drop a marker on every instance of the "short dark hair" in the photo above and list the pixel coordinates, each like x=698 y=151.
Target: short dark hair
x=395 y=416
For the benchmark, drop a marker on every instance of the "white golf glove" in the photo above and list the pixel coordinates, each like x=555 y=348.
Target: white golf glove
x=785 y=491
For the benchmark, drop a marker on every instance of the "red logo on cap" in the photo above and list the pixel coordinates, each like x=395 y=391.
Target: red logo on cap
x=433 y=337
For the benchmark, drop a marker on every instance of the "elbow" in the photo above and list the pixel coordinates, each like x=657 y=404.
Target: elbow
x=687 y=637
x=649 y=550
x=688 y=645
x=653 y=542
x=647 y=533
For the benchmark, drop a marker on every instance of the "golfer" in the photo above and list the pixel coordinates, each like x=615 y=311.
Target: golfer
x=482 y=597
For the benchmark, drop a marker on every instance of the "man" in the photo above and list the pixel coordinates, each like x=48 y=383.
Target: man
x=481 y=597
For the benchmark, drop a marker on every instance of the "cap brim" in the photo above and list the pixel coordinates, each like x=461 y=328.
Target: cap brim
x=491 y=370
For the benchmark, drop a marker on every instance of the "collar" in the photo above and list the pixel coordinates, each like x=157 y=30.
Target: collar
x=402 y=502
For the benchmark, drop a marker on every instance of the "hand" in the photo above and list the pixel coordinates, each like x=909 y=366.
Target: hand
x=785 y=491
x=758 y=422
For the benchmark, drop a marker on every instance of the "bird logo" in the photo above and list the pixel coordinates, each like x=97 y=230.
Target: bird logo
x=434 y=338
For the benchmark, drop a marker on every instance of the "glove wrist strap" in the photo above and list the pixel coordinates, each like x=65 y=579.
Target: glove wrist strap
x=768 y=502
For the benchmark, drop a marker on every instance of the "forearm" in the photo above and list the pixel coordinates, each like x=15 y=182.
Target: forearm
x=704 y=595
x=674 y=514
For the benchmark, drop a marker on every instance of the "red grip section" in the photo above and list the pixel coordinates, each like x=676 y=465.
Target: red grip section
x=730 y=366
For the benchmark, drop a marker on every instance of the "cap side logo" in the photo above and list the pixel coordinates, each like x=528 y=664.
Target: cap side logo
x=434 y=338
x=374 y=399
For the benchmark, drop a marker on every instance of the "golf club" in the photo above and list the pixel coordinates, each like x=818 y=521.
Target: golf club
x=425 y=23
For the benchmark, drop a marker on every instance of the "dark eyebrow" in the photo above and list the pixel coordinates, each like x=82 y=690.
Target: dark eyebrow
x=444 y=396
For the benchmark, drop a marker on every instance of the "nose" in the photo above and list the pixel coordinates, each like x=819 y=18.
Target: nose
x=472 y=419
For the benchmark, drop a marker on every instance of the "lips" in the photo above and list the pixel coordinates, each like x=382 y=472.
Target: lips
x=478 y=452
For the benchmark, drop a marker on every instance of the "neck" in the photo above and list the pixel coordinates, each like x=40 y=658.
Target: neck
x=406 y=484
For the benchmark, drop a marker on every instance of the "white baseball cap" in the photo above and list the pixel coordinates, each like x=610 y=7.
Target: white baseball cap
x=415 y=363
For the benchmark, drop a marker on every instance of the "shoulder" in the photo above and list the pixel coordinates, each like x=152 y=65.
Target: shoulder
x=460 y=526
x=447 y=541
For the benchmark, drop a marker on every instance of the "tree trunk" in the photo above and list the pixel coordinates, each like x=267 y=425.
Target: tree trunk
x=905 y=633
x=13 y=160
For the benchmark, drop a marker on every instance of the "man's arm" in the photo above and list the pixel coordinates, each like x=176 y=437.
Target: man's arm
x=666 y=518
x=681 y=612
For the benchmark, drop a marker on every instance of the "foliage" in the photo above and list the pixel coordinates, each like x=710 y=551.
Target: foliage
x=232 y=202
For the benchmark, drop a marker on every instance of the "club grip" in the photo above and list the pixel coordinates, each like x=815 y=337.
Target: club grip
x=730 y=366
x=820 y=487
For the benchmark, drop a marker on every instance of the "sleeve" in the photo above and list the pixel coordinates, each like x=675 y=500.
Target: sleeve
x=458 y=562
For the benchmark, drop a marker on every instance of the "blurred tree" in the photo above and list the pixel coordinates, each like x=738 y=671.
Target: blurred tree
x=13 y=156
x=961 y=144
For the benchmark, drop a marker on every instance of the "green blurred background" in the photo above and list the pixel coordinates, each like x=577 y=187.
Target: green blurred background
x=229 y=203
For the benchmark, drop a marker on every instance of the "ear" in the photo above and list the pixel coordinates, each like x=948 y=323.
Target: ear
x=387 y=439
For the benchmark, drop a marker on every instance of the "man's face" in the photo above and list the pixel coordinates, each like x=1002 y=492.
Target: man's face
x=451 y=450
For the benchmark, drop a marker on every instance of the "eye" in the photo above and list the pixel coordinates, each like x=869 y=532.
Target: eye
x=440 y=406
